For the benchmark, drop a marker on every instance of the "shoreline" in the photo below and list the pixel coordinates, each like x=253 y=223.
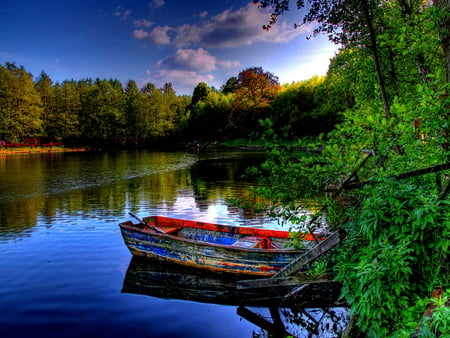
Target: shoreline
x=14 y=151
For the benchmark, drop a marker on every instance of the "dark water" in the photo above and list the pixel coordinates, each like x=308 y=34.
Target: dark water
x=63 y=264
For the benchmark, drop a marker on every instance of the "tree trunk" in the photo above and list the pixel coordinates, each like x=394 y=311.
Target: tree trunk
x=444 y=31
x=376 y=56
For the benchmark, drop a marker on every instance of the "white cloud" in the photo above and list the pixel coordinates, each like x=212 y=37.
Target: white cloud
x=225 y=30
x=143 y=23
x=192 y=62
x=141 y=34
x=157 y=3
x=122 y=13
x=198 y=60
x=186 y=68
x=158 y=36
x=183 y=81
x=228 y=64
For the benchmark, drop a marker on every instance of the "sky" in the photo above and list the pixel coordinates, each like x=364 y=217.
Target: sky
x=157 y=41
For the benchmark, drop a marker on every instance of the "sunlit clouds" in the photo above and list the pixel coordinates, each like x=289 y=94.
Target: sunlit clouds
x=230 y=28
x=188 y=67
x=192 y=59
x=156 y=41
x=189 y=59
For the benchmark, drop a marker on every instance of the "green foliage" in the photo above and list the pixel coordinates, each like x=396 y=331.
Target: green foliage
x=399 y=233
x=398 y=229
x=20 y=104
x=103 y=112
x=300 y=107
x=200 y=93
x=230 y=85
x=440 y=320
x=63 y=120
x=213 y=111
x=96 y=112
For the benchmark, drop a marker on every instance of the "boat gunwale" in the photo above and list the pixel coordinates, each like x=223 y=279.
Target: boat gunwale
x=135 y=228
x=233 y=229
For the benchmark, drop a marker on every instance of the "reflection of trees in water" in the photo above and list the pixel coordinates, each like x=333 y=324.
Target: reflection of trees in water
x=316 y=322
x=97 y=184
x=223 y=178
x=104 y=184
x=42 y=186
x=298 y=322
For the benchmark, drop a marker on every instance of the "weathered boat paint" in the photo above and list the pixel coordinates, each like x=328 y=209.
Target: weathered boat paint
x=210 y=246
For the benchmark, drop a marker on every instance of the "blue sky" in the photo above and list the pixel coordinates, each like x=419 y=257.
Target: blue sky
x=157 y=41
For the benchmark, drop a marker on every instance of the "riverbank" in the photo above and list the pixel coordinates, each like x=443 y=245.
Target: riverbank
x=34 y=150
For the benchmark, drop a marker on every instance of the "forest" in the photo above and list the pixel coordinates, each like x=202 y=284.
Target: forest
x=376 y=126
x=107 y=113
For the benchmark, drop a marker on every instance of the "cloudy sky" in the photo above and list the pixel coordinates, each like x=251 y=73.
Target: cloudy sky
x=158 y=41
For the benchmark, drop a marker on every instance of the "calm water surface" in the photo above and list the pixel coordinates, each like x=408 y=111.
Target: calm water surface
x=63 y=262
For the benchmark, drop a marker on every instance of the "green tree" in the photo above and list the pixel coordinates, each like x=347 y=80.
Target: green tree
x=64 y=121
x=20 y=104
x=297 y=106
x=443 y=7
x=214 y=111
x=44 y=86
x=230 y=85
x=200 y=93
x=87 y=115
x=347 y=22
x=102 y=110
x=132 y=112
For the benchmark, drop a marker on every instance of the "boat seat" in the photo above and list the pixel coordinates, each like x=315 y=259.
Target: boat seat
x=168 y=230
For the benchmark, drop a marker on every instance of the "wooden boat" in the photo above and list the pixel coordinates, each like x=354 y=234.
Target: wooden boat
x=215 y=247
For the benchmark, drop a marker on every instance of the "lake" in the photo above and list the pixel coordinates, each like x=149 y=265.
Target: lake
x=64 y=269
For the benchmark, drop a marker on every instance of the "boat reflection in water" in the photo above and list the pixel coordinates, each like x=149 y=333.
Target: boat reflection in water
x=314 y=312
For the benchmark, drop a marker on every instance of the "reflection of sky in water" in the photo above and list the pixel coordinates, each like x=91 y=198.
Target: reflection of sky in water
x=215 y=211
x=59 y=230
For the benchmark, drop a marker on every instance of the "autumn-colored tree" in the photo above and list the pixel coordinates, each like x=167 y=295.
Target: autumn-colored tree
x=255 y=90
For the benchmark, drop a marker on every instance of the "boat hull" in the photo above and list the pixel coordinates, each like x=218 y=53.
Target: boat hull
x=209 y=246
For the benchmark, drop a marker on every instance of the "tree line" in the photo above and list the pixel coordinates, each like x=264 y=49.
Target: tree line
x=108 y=113
x=88 y=112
